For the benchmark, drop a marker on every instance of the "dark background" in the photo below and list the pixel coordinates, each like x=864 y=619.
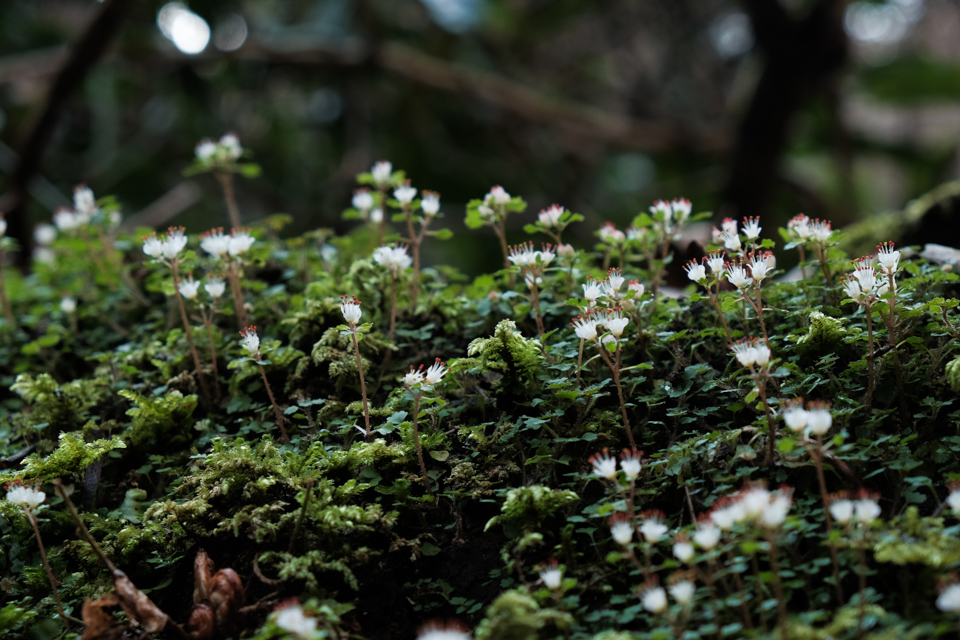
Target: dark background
x=837 y=109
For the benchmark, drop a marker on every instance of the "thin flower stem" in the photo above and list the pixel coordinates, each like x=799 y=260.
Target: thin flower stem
x=500 y=228
x=307 y=492
x=189 y=332
x=416 y=440
x=738 y=582
x=278 y=415
x=868 y=402
x=580 y=361
x=817 y=455
x=233 y=277
x=761 y=382
x=803 y=260
x=363 y=385
x=208 y=323
x=862 y=613
x=759 y=308
x=415 y=248
x=226 y=183
x=892 y=334
x=393 y=309
x=723 y=320
x=615 y=370
x=46 y=567
x=710 y=578
x=820 y=250
x=382 y=226
x=535 y=300
x=758 y=587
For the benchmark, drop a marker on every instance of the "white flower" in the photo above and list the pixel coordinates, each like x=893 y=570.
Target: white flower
x=759 y=268
x=215 y=243
x=84 y=202
x=731 y=239
x=498 y=195
x=819 y=418
x=394 y=258
x=230 y=145
x=250 y=341
x=799 y=227
x=851 y=287
x=152 y=246
x=794 y=415
x=683 y=591
x=240 y=241
x=205 y=150
x=68 y=304
x=362 y=200
x=405 y=194
x=737 y=275
x=44 y=255
x=888 y=258
x=532 y=280
x=820 y=231
x=381 y=172
x=654 y=599
x=442 y=631
x=585 y=328
x=26 y=497
x=954 y=498
x=715 y=261
x=215 y=287
x=550 y=216
x=621 y=530
x=949 y=599
x=376 y=215
x=842 y=510
x=754 y=501
x=546 y=254
x=865 y=274
x=430 y=203
x=173 y=243
x=751 y=228
x=695 y=271
x=413 y=377
x=653 y=527
x=616 y=323
x=682 y=550
x=776 y=511
x=436 y=372
x=630 y=463
x=66 y=220
x=188 y=288
x=350 y=308
x=745 y=351
x=681 y=210
x=707 y=535
x=866 y=509
x=566 y=251
x=763 y=354
x=294 y=621
x=44 y=234
x=615 y=280
x=591 y=291
x=552 y=575
x=604 y=465
x=636 y=287
x=609 y=233
x=725 y=518
x=523 y=255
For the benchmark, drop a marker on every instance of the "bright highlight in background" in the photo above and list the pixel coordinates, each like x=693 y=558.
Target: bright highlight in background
x=186 y=30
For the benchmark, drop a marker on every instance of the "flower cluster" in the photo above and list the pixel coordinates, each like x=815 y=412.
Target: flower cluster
x=847 y=508
x=814 y=419
x=222 y=246
x=395 y=258
x=605 y=465
x=751 y=352
x=27 y=497
x=223 y=152
x=433 y=375
x=167 y=248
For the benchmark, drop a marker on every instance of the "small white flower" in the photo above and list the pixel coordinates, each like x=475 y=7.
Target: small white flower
x=681 y=210
x=173 y=243
x=215 y=243
x=799 y=227
x=546 y=254
x=550 y=217
x=636 y=287
x=953 y=499
x=737 y=275
x=523 y=255
x=435 y=372
x=240 y=241
x=842 y=510
x=615 y=280
x=350 y=308
x=695 y=271
x=566 y=251
x=44 y=234
x=376 y=215
x=66 y=220
x=751 y=228
x=552 y=575
x=26 y=497
x=866 y=509
x=430 y=203
x=604 y=465
x=888 y=258
x=731 y=240
x=381 y=172
x=442 y=631
x=405 y=194
x=653 y=527
x=819 y=418
x=152 y=246
x=230 y=146
x=949 y=599
x=776 y=511
x=724 y=518
x=682 y=550
x=294 y=621
x=865 y=274
x=585 y=328
x=394 y=258
x=413 y=377
x=683 y=591
x=609 y=233
x=591 y=291
x=763 y=354
x=498 y=195
x=707 y=536
x=630 y=463
x=820 y=231
x=205 y=150
x=754 y=501
x=654 y=599
x=851 y=287
x=745 y=351
x=215 y=287
x=362 y=200
x=250 y=341
x=759 y=268
x=84 y=202
x=621 y=530
x=68 y=305
x=616 y=323
x=794 y=415
x=189 y=287
x=715 y=261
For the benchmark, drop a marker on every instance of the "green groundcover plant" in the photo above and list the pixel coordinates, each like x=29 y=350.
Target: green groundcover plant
x=234 y=435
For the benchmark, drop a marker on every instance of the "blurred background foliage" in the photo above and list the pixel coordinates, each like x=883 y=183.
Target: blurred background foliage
x=752 y=107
